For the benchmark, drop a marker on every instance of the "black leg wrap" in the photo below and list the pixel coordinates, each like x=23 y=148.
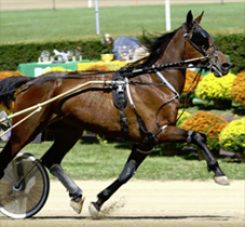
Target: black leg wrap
x=127 y=172
x=196 y=138
x=69 y=184
x=216 y=169
x=201 y=141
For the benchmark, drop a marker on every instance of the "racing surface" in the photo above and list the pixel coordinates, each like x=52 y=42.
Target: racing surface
x=146 y=204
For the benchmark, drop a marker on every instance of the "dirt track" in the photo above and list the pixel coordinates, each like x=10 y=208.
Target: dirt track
x=147 y=204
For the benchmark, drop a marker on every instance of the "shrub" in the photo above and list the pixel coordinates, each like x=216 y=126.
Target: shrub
x=232 y=137
x=238 y=89
x=212 y=87
x=15 y=54
x=208 y=123
x=233 y=46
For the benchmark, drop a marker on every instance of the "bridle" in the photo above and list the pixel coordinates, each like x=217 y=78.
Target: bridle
x=210 y=52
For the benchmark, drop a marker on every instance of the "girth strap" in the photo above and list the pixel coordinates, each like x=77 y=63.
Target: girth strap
x=120 y=99
x=121 y=94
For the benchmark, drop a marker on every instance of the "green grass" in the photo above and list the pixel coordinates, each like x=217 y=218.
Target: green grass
x=74 y=24
x=104 y=161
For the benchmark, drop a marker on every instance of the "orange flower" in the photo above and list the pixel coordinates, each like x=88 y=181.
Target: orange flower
x=208 y=123
x=238 y=88
x=191 y=80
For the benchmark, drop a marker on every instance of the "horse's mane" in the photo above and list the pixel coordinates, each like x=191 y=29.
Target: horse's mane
x=156 y=48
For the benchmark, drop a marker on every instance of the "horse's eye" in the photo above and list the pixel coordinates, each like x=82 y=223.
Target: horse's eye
x=200 y=38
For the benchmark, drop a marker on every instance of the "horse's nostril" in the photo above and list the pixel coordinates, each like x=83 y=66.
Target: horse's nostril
x=226 y=66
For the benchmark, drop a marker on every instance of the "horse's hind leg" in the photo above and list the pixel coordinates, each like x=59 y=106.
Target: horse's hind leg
x=17 y=141
x=6 y=156
x=136 y=157
x=63 y=142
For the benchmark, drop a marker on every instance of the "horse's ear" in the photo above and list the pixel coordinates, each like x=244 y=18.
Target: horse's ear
x=199 y=18
x=189 y=20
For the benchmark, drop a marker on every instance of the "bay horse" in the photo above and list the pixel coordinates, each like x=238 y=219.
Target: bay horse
x=145 y=115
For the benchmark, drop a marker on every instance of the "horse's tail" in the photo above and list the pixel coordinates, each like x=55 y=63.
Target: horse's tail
x=8 y=87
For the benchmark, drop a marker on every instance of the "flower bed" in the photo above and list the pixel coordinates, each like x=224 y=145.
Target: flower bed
x=232 y=137
x=238 y=89
x=212 y=87
x=208 y=123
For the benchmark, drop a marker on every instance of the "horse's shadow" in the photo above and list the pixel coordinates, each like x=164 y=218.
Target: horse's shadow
x=154 y=217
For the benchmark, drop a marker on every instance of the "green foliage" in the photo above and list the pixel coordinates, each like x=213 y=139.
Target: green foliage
x=232 y=137
x=23 y=53
x=233 y=46
x=212 y=87
x=15 y=54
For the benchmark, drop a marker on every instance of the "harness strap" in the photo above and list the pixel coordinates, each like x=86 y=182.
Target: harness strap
x=169 y=85
x=149 y=137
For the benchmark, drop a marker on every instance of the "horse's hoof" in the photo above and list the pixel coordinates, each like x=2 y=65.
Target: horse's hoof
x=222 y=180
x=77 y=205
x=93 y=210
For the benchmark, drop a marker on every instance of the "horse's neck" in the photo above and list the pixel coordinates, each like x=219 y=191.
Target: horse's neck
x=175 y=52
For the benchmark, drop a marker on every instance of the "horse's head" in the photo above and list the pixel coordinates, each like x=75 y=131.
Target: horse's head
x=202 y=44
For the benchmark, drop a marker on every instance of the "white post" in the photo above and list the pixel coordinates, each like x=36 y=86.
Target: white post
x=90 y=3
x=96 y=4
x=167 y=15
x=54 y=5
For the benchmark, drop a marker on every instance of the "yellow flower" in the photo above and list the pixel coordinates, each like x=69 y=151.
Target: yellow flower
x=212 y=87
x=232 y=137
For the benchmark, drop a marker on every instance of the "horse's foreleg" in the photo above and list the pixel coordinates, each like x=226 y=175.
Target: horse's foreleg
x=135 y=159
x=213 y=165
x=175 y=134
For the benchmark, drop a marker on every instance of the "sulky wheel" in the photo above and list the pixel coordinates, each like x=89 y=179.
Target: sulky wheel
x=24 y=188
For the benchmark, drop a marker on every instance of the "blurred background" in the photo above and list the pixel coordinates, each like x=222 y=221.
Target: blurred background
x=57 y=4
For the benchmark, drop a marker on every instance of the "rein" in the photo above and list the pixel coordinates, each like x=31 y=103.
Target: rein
x=131 y=72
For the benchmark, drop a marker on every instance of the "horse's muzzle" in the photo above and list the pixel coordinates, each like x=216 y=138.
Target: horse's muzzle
x=221 y=70
x=220 y=64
